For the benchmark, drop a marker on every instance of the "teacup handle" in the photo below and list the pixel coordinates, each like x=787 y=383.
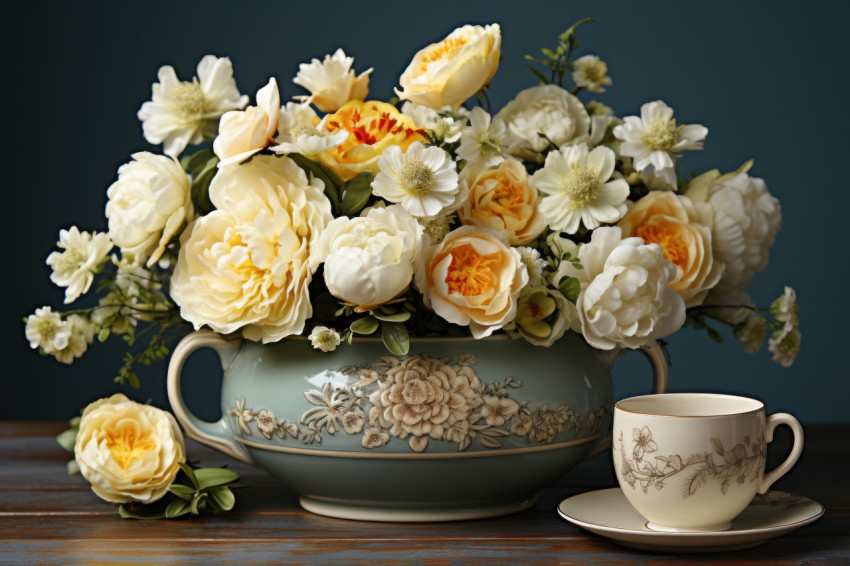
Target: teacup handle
x=774 y=421
x=215 y=435
x=656 y=357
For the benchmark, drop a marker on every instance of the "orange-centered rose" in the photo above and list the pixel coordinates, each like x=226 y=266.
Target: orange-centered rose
x=502 y=199
x=672 y=222
x=473 y=278
x=372 y=127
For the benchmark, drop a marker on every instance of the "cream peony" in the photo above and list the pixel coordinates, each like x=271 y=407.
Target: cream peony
x=504 y=200
x=243 y=133
x=449 y=72
x=472 y=278
x=128 y=451
x=370 y=259
x=183 y=113
x=331 y=82
x=541 y=116
x=82 y=256
x=625 y=300
x=745 y=218
x=672 y=222
x=149 y=204
x=246 y=266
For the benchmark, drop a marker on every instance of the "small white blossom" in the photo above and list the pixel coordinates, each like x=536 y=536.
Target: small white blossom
x=533 y=263
x=83 y=256
x=299 y=132
x=445 y=128
x=46 y=330
x=785 y=307
x=82 y=334
x=111 y=313
x=183 y=113
x=785 y=343
x=591 y=72
x=752 y=332
x=483 y=141
x=324 y=338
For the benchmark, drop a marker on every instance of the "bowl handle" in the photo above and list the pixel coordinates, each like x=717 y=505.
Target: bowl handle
x=215 y=435
x=655 y=354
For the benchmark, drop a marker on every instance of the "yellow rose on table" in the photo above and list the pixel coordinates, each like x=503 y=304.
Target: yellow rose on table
x=472 y=278
x=128 y=451
x=449 y=72
x=502 y=199
x=672 y=222
x=372 y=127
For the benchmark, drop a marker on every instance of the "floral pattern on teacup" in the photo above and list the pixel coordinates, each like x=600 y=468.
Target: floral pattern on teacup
x=744 y=462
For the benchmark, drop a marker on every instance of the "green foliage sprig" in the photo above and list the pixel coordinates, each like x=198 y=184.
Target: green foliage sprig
x=559 y=60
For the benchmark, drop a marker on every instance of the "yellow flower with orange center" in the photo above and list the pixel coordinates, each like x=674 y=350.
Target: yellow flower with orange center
x=372 y=127
x=503 y=199
x=672 y=222
x=473 y=278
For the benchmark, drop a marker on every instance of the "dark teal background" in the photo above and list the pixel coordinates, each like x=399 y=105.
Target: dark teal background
x=769 y=80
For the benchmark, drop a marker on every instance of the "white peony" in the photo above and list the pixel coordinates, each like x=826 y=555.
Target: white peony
x=183 y=113
x=591 y=72
x=128 y=451
x=745 y=218
x=331 y=82
x=624 y=299
x=300 y=131
x=83 y=255
x=370 y=260
x=247 y=265
x=149 y=204
x=580 y=189
x=423 y=180
x=541 y=116
x=483 y=142
x=243 y=133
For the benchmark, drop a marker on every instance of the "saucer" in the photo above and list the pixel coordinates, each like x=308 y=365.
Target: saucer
x=607 y=512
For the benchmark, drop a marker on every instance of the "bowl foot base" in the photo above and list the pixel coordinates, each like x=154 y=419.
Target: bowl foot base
x=358 y=512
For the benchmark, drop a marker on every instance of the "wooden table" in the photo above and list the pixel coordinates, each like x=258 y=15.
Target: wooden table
x=49 y=517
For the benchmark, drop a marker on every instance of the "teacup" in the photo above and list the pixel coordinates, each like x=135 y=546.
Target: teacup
x=694 y=461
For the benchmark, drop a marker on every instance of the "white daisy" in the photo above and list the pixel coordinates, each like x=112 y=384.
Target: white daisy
x=591 y=72
x=298 y=132
x=580 y=189
x=423 y=180
x=533 y=263
x=182 y=112
x=483 y=141
x=75 y=267
x=654 y=139
x=324 y=338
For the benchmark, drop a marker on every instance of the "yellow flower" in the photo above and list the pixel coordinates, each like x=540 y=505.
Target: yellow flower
x=449 y=72
x=128 y=451
x=372 y=127
x=503 y=199
x=672 y=222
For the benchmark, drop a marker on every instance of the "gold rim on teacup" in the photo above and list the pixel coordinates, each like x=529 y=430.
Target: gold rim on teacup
x=671 y=399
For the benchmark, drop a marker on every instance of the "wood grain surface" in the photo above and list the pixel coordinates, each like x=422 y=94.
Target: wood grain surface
x=49 y=517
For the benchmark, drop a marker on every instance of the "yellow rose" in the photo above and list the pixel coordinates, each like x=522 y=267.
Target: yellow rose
x=672 y=222
x=247 y=265
x=128 y=451
x=449 y=72
x=472 y=278
x=372 y=127
x=502 y=199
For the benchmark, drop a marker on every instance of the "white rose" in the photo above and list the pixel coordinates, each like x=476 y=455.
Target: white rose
x=242 y=133
x=624 y=299
x=449 y=72
x=332 y=82
x=247 y=265
x=744 y=219
x=128 y=451
x=149 y=204
x=370 y=260
x=549 y=110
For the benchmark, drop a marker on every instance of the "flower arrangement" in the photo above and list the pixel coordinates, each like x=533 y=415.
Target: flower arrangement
x=336 y=215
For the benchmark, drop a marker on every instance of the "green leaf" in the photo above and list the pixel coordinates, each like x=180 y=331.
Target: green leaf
x=395 y=317
x=396 y=338
x=538 y=74
x=197 y=161
x=182 y=491
x=190 y=474
x=143 y=512
x=222 y=497
x=67 y=439
x=210 y=477
x=366 y=325
x=198 y=503
x=73 y=467
x=201 y=187
x=570 y=288
x=177 y=508
x=357 y=193
x=714 y=334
